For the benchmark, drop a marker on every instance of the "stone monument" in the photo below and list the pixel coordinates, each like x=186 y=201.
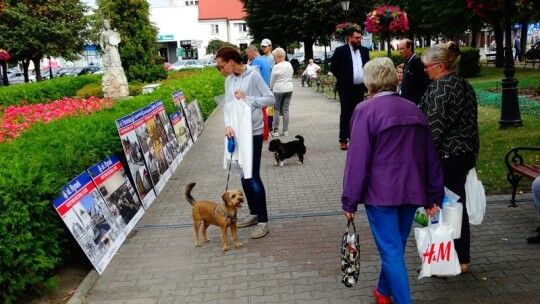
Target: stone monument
x=114 y=82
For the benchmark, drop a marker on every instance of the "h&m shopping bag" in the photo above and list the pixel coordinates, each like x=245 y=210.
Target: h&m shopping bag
x=350 y=256
x=435 y=246
x=476 y=198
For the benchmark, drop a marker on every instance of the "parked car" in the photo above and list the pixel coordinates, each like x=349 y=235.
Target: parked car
x=298 y=56
x=318 y=57
x=46 y=74
x=78 y=71
x=209 y=62
x=18 y=77
x=533 y=52
x=186 y=64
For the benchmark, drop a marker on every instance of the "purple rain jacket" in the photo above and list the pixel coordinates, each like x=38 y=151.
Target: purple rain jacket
x=391 y=160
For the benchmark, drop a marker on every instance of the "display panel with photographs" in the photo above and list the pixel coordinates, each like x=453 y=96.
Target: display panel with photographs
x=135 y=159
x=119 y=194
x=87 y=216
x=194 y=119
x=167 y=137
x=148 y=134
x=182 y=132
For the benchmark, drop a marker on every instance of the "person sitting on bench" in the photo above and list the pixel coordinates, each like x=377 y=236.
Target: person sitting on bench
x=535 y=236
x=310 y=72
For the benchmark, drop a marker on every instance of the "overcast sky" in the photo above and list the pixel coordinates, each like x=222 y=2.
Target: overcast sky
x=157 y=3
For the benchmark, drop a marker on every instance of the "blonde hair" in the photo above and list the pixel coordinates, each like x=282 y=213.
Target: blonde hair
x=380 y=75
x=279 y=52
x=445 y=53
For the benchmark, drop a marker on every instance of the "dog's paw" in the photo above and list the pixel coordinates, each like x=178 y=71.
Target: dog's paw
x=276 y=164
x=225 y=248
x=207 y=240
x=299 y=162
x=238 y=245
x=197 y=244
x=281 y=164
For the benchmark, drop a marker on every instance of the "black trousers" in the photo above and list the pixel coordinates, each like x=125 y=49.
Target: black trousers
x=348 y=102
x=455 y=170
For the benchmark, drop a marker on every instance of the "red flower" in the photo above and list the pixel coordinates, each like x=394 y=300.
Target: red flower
x=387 y=20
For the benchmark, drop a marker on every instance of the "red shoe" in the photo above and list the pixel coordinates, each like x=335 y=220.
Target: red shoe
x=380 y=298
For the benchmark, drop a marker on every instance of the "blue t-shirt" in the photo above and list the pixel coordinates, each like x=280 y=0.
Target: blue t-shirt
x=262 y=65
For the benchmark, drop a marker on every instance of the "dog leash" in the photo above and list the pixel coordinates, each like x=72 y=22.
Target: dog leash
x=230 y=147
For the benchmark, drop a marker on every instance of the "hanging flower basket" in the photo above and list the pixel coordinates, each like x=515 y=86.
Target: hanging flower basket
x=4 y=56
x=387 y=21
x=344 y=29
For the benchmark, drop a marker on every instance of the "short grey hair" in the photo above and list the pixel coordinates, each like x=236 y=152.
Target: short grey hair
x=445 y=53
x=380 y=75
x=279 y=52
x=252 y=48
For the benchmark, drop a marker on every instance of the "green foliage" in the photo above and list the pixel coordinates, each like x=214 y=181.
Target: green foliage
x=89 y=90
x=44 y=91
x=215 y=44
x=469 y=63
x=138 y=35
x=33 y=239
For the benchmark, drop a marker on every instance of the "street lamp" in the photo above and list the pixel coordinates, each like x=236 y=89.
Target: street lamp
x=510 y=116
x=345 y=7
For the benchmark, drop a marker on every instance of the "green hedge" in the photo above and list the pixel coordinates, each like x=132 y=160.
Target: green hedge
x=33 y=239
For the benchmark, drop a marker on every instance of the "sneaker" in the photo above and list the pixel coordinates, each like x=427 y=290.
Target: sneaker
x=285 y=133
x=302 y=86
x=249 y=220
x=261 y=230
x=275 y=134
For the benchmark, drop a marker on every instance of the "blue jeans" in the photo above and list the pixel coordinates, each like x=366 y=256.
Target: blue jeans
x=536 y=195
x=390 y=227
x=253 y=187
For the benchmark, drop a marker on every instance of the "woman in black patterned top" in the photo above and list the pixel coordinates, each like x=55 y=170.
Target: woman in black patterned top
x=451 y=108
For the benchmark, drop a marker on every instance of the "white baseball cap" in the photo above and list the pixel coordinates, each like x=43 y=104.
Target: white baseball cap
x=266 y=42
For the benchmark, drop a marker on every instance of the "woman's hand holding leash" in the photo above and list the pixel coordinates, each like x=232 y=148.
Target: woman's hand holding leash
x=239 y=95
x=229 y=132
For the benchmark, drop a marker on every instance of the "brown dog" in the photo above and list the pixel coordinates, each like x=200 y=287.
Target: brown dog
x=220 y=215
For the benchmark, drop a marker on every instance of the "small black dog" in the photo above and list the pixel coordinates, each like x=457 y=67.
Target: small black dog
x=282 y=151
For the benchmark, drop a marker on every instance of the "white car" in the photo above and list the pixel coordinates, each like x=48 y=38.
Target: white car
x=18 y=77
x=209 y=62
x=186 y=64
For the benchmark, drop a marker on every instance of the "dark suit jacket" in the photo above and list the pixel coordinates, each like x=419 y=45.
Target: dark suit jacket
x=342 y=67
x=415 y=80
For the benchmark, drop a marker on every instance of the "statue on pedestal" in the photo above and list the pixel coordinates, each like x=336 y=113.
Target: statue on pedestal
x=114 y=81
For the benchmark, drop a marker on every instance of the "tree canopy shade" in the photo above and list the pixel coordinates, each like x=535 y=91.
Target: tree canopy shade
x=292 y=21
x=32 y=29
x=138 y=48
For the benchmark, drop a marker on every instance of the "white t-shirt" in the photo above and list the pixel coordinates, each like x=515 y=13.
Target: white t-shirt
x=281 y=78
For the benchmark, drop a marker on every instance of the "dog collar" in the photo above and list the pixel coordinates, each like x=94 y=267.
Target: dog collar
x=231 y=218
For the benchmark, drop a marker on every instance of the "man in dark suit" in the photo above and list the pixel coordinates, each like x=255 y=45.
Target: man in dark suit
x=348 y=68
x=415 y=79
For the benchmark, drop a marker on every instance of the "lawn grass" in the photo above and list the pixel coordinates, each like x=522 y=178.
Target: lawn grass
x=496 y=142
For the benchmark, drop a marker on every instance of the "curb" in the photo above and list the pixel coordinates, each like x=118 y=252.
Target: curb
x=79 y=297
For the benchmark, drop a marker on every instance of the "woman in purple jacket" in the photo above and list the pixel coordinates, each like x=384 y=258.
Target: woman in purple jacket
x=392 y=168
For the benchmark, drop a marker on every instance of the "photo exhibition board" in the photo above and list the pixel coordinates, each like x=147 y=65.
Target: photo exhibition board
x=85 y=213
x=152 y=148
x=181 y=130
x=114 y=185
x=135 y=159
x=195 y=120
x=167 y=137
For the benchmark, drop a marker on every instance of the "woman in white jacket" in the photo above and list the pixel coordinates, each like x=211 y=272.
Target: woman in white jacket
x=245 y=84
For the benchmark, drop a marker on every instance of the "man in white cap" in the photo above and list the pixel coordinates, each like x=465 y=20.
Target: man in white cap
x=266 y=46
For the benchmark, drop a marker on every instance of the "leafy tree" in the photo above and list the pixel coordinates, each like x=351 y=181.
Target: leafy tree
x=292 y=21
x=139 y=47
x=32 y=29
x=215 y=44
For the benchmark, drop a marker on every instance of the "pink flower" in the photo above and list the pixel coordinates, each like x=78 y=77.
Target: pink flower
x=386 y=20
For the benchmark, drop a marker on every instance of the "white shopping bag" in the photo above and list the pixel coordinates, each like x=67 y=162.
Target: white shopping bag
x=476 y=198
x=436 y=249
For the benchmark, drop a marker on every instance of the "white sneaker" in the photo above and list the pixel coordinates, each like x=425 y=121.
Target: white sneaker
x=249 y=220
x=260 y=231
x=302 y=85
x=285 y=133
x=275 y=134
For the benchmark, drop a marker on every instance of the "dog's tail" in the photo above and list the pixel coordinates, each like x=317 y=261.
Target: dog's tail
x=300 y=138
x=187 y=193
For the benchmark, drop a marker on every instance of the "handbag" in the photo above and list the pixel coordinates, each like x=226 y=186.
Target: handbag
x=475 y=197
x=435 y=246
x=350 y=256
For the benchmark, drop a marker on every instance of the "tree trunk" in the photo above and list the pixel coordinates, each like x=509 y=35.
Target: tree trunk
x=523 y=38
x=389 y=46
x=4 y=73
x=26 y=63
x=308 y=50
x=37 y=68
x=498 y=31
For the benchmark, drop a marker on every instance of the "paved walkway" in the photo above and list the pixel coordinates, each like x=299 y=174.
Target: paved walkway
x=298 y=262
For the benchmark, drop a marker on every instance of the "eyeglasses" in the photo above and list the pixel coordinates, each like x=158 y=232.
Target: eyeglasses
x=221 y=67
x=428 y=65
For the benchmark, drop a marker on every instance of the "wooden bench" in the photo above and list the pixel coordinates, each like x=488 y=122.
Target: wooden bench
x=517 y=169
x=328 y=81
x=490 y=58
x=533 y=60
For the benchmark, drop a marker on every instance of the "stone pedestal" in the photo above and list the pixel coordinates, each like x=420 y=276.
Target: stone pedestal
x=114 y=82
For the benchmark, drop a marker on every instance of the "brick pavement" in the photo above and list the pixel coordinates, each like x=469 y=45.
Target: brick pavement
x=298 y=262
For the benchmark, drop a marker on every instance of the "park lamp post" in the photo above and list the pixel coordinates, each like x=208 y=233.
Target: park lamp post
x=510 y=116
x=345 y=8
